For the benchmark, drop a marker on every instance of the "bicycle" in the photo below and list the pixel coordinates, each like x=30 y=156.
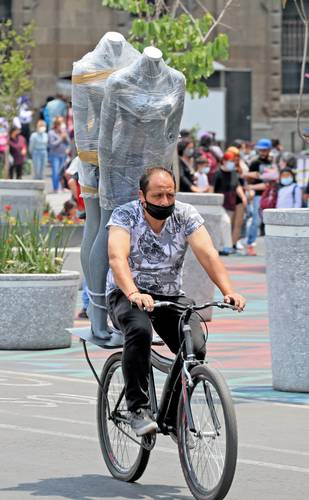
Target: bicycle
x=206 y=421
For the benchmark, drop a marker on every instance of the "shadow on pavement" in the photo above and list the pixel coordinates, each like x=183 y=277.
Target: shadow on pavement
x=89 y=486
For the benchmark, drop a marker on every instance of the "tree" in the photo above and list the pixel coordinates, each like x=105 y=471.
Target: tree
x=183 y=36
x=15 y=67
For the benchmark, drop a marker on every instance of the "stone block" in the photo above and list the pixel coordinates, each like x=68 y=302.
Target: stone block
x=36 y=310
x=287 y=269
x=25 y=197
x=196 y=282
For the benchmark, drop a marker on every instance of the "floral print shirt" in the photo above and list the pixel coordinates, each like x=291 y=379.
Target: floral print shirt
x=156 y=260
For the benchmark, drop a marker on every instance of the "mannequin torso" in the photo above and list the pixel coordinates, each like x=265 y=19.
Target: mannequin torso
x=139 y=126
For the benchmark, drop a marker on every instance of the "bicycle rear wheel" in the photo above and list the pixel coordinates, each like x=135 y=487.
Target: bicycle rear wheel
x=208 y=456
x=125 y=459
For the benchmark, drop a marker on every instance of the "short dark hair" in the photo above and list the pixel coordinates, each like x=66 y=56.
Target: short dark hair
x=144 y=180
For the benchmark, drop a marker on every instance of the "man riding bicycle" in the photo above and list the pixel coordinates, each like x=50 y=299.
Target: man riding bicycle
x=148 y=239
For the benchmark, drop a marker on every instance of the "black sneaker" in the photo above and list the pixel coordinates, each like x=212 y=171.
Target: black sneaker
x=142 y=422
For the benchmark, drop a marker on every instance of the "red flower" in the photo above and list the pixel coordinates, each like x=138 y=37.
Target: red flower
x=7 y=208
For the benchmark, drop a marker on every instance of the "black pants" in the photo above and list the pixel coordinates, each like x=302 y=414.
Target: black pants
x=15 y=168
x=137 y=330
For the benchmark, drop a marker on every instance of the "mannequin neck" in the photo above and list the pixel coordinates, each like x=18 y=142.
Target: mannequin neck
x=150 y=67
x=116 y=48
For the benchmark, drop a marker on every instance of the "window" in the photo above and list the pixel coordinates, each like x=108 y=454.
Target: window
x=5 y=9
x=291 y=50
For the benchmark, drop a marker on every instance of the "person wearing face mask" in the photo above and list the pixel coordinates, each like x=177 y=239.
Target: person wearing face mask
x=147 y=242
x=59 y=145
x=257 y=167
x=227 y=182
x=201 y=175
x=186 y=152
x=289 y=194
x=38 y=150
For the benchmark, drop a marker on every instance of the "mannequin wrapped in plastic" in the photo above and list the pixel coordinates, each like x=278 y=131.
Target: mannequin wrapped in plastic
x=140 y=119
x=89 y=78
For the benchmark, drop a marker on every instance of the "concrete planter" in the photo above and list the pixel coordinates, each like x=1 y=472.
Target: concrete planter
x=287 y=269
x=25 y=197
x=36 y=309
x=196 y=283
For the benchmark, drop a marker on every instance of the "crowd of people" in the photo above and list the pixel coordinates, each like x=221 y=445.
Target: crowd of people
x=251 y=177
x=32 y=145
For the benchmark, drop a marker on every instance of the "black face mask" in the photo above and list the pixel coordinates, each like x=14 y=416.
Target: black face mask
x=158 y=212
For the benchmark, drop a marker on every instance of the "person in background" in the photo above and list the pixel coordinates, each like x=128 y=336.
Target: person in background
x=227 y=182
x=185 y=134
x=186 y=152
x=257 y=167
x=25 y=117
x=306 y=196
x=55 y=108
x=44 y=112
x=241 y=204
x=287 y=160
x=71 y=181
x=59 y=144
x=69 y=212
x=276 y=150
x=205 y=150
x=38 y=149
x=202 y=170
x=85 y=300
x=289 y=194
x=18 y=152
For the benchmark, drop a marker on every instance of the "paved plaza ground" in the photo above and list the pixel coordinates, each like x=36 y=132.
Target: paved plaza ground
x=49 y=444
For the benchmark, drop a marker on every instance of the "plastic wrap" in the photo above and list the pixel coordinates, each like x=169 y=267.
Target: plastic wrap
x=140 y=120
x=88 y=85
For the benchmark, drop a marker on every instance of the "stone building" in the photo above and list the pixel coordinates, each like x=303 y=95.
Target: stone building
x=263 y=38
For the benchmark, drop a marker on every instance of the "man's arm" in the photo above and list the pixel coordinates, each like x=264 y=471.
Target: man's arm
x=207 y=255
x=118 y=252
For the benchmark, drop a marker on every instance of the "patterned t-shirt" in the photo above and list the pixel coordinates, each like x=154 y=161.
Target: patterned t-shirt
x=156 y=260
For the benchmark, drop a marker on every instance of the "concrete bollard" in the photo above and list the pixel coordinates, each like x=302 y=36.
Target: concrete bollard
x=37 y=309
x=196 y=283
x=25 y=197
x=287 y=269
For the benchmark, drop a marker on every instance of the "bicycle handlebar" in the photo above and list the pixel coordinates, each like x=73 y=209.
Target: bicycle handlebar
x=221 y=305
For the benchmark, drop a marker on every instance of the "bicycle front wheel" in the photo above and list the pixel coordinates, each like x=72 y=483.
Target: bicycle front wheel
x=123 y=452
x=208 y=453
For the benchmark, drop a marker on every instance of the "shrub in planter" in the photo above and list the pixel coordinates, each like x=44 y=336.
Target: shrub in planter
x=37 y=297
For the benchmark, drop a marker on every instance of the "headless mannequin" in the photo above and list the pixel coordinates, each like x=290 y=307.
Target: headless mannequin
x=89 y=81
x=140 y=120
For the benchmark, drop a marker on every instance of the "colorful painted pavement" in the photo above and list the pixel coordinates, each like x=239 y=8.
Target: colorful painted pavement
x=238 y=344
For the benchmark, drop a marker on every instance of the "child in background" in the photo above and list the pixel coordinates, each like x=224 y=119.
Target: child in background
x=289 y=194
x=201 y=175
x=68 y=212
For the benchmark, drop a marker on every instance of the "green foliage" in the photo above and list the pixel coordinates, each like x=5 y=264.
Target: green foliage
x=26 y=248
x=181 y=39
x=15 y=66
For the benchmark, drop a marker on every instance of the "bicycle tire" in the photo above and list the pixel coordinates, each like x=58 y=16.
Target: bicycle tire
x=111 y=445
x=207 y=377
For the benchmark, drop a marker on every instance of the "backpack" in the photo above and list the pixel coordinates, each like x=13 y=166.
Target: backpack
x=269 y=196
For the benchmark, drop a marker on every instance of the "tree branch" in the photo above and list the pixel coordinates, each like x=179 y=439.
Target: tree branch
x=194 y=21
x=218 y=20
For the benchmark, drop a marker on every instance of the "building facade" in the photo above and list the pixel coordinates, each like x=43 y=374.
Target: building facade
x=264 y=38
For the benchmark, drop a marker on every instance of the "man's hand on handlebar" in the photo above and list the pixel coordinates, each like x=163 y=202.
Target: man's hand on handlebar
x=235 y=299
x=143 y=301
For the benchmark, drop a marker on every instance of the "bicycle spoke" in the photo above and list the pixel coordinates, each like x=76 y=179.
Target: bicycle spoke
x=206 y=449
